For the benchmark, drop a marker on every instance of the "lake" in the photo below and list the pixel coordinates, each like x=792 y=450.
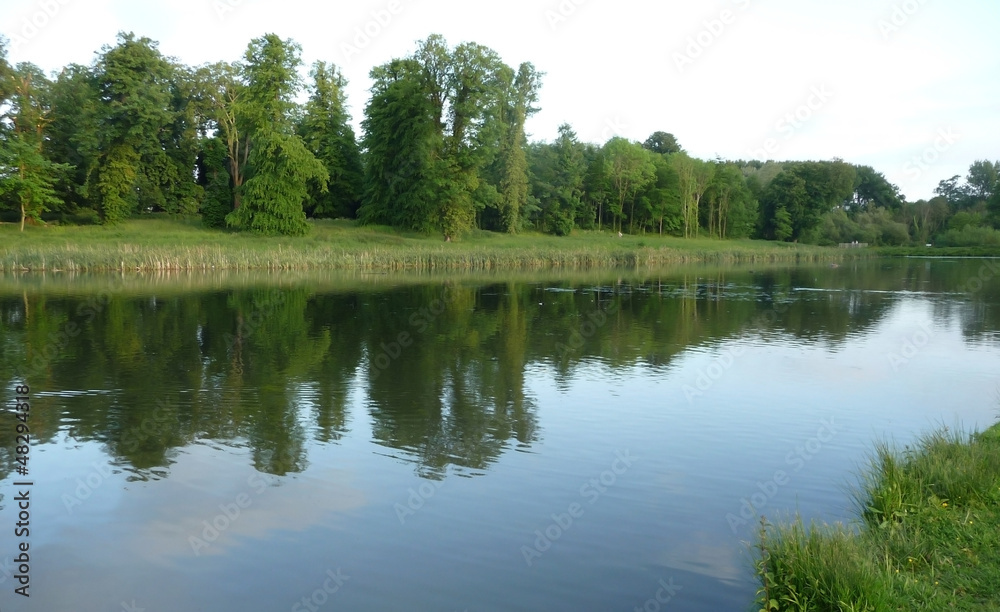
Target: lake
x=561 y=441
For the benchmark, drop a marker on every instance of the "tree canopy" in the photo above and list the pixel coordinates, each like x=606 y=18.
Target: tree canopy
x=253 y=145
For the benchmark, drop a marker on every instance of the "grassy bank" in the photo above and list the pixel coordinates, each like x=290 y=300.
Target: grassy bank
x=928 y=538
x=973 y=251
x=178 y=244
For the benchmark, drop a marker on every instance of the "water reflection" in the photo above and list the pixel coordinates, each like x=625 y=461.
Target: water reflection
x=148 y=369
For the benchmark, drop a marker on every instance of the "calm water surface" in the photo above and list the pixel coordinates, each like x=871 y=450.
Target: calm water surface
x=585 y=442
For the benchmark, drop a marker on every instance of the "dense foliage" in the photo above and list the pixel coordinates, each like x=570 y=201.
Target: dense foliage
x=250 y=145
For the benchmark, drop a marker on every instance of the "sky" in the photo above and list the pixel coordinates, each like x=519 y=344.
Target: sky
x=910 y=87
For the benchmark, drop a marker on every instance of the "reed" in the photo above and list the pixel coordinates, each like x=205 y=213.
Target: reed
x=160 y=243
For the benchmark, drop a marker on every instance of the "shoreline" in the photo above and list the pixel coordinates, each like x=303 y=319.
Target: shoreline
x=926 y=531
x=160 y=244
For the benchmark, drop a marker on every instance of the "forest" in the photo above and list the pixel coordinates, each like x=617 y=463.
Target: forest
x=254 y=146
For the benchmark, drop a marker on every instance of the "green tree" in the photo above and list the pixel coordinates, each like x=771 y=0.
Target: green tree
x=281 y=170
x=444 y=139
x=221 y=88
x=402 y=150
x=871 y=189
x=557 y=171
x=983 y=180
x=134 y=170
x=32 y=176
x=326 y=131
x=784 y=201
x=518 y=105
x=993 y=206
x=279 y=167
x=805 y=191
x=662 y=143
x=74 y=135
x=732 y=209
x=694 y=177
x=956 y=193
x=630 y=169
x=596 y=188
x=663 y=195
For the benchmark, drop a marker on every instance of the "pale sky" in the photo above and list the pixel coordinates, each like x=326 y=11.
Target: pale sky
x=911 y=87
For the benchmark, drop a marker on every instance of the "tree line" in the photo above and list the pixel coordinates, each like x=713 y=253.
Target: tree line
x=251 y=146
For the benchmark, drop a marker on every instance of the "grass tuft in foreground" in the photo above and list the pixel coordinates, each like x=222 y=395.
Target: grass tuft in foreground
x=928 y=538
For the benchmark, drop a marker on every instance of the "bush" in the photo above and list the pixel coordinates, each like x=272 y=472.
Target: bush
x=81 y=216
x=969 y=235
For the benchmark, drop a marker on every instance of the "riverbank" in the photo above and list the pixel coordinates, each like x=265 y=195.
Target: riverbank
x=162 y=243
x=973 y=251
x=928 y=539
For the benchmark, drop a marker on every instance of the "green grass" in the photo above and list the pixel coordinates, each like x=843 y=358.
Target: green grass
x=928 y=537
x=922 y=251
x=161 y=243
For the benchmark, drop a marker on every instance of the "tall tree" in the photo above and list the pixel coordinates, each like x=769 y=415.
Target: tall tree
x=325 y=128
x=596 y=188
x=221 y=89
x=956 y=193
x=872 y=189
x=279 y=166
x=473 y=155
x=557 y=172
x=518 y=105
x=630 y=169
x=693 y=180
x=134 y=170
x=785 y=202
x=664 y=196
x=402 y=150
x=74 y=133
x=732 y=209
x=31 y=178
x=983 y=179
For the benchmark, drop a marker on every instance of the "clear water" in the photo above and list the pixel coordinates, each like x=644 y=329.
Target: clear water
x=586 y=442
